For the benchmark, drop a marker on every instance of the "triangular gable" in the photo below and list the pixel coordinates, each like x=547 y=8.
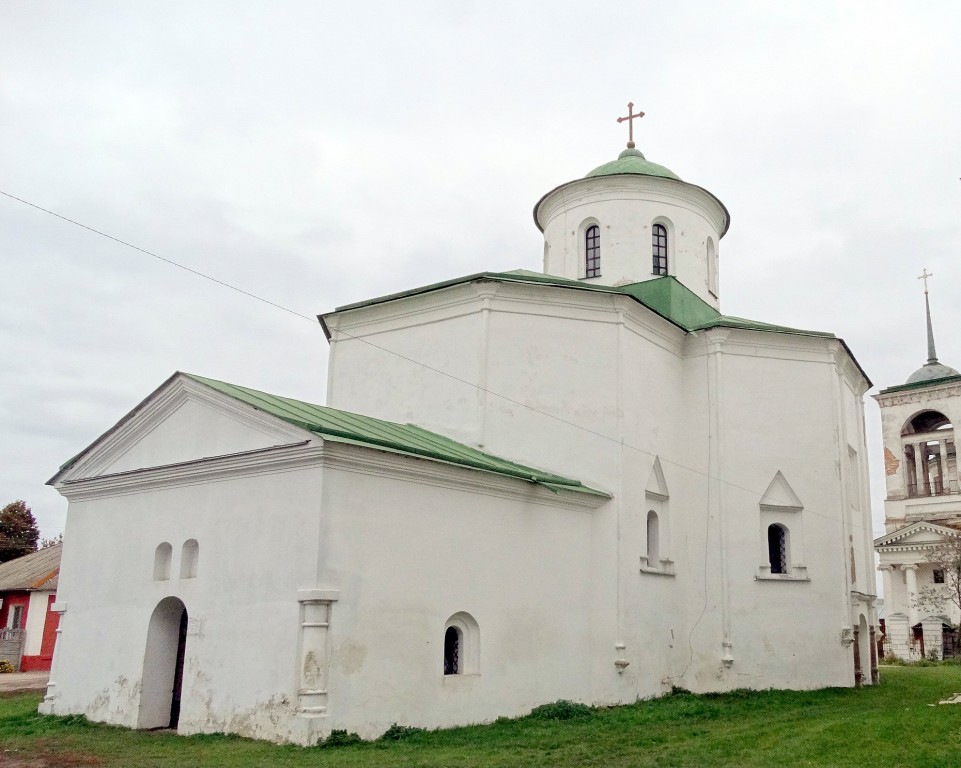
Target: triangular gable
x=190 y=418
x=780 y=495
x=656 y=484
x=182 y=420
x=919 y=533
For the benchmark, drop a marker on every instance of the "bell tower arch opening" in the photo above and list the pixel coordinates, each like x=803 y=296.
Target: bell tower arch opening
x=930 y=455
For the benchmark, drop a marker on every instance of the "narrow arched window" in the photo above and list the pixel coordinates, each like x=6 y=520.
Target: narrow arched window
x=592 y=250
x=452 y=643
x=189 y=554
x=659 y=243
x=653 y=541
x=777 y=548
x=161 y=561
x=711 y=267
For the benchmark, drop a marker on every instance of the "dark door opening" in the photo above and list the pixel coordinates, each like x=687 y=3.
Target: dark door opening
x=163 y=665
x=179 y=671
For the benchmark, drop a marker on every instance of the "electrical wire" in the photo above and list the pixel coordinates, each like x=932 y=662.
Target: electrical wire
x=706 y=475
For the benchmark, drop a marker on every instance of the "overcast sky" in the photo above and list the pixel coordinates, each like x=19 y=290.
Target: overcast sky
x=319 y=153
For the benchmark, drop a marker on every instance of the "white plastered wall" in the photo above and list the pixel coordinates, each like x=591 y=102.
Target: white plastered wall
x=775 y=406
x=408 y=555
x=257 y=538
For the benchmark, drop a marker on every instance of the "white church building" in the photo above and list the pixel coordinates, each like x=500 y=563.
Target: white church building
x=584 y=484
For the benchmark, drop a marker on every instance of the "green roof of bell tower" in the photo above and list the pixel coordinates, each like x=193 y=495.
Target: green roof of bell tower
x=633 y=161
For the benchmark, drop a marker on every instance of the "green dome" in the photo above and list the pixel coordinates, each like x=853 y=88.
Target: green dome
x=931 y=372
x=632 y=161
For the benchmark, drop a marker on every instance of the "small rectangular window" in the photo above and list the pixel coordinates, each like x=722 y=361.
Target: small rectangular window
x=938 y=576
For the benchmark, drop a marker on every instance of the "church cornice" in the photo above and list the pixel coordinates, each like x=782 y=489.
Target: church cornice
x=318 y=454
x=632 y=187
x=523 y=298
x=271 y=460
x=849 y=370
x=753 y=343
x=895 y=540
x=921 y=394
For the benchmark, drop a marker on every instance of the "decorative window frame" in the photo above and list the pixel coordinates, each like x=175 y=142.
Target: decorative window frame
x=582 y=248
x=790 y=521
x=781 y=506
x=469 y=651
x=656 y=500
x=669 y=229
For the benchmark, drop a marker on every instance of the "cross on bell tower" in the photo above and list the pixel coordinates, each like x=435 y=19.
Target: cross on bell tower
x=932 y=354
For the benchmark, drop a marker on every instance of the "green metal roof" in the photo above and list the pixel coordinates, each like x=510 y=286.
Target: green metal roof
x=670 y=299
x=632 y=161
x=355 y=429
x=931 y=371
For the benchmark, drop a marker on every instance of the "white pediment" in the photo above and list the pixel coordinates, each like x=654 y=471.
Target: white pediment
x=656 y=484
x=916 y=535
x=780 y=494
x=184 y=420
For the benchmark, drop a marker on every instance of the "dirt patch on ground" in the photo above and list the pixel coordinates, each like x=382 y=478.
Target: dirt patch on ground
x=20 y=692
x=15 y=758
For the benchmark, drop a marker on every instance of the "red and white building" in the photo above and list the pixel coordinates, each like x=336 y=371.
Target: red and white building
x=28 y=626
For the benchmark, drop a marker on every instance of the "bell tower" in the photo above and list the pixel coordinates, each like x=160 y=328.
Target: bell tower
x=918 y=420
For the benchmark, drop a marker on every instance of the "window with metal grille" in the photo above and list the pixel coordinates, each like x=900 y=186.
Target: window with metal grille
x=777 y=548
x=659 y=243
x=592 y=243
x=452 y=639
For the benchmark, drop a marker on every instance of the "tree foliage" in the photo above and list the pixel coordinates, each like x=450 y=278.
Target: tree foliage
x=45 y=542
x=19 y=534
x=946 y=557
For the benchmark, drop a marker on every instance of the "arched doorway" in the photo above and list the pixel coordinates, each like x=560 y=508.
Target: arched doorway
x=163 y=665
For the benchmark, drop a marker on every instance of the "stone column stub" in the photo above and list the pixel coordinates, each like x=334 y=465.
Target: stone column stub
x=315 y=614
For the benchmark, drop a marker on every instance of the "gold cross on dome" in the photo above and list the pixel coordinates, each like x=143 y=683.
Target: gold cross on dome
x=924 y=276
x=630 y=123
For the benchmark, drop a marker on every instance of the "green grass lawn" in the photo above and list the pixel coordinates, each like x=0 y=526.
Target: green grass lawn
x=890 y=725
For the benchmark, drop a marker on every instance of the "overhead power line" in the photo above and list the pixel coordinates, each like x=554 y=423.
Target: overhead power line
x=561 y=419
x=158 y=256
